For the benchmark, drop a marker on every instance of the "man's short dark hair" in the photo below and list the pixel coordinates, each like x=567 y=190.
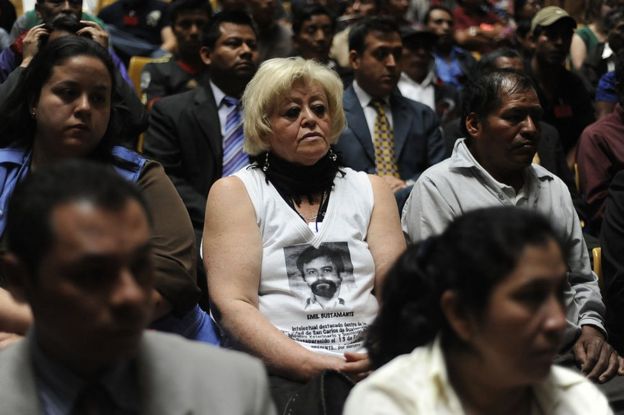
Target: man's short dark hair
x=361 y=29
x=29 y=231
x=178 y=6
x=483 y=95
x=488 y=62
x=433 y=8
x=212 y=31
x=612 y=18
x=311 y=253
x=306 y=13
x=62 y=23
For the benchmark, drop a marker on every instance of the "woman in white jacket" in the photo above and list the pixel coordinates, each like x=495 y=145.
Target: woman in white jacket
x=480 y=311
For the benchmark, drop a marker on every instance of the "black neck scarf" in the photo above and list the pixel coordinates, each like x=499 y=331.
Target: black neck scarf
x=294 y=181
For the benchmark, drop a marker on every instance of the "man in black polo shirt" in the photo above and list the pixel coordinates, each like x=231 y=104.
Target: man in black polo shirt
x=182 y=72
x=566 y=103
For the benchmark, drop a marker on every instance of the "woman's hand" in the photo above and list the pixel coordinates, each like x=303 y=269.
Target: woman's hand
x=356 y=366
x=95 y=32
x=31 y=43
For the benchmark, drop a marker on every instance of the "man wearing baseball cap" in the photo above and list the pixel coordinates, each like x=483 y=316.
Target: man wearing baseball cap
x=418 y=81
x=566 y=102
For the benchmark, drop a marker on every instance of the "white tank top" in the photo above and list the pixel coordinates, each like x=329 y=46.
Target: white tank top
x=325 y=301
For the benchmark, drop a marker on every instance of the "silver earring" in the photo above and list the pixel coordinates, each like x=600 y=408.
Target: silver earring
x=33 y=114
x=332 y=155
x=265 y=166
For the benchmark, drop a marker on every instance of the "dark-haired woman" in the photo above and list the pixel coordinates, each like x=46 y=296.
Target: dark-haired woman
x=478 y=334
x=64 y=107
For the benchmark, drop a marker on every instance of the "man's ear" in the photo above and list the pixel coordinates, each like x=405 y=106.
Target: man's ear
x=455 y=314
x=204 y=54
x=19 y=280
x=473 y=125
x=354 y=60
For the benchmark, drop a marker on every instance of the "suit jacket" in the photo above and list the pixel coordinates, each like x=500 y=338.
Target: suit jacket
x=167 y=77
x=176 y=376
x=184 y=135
x=418 y=141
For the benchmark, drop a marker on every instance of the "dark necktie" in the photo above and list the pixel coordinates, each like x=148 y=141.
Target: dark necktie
x=383 y=141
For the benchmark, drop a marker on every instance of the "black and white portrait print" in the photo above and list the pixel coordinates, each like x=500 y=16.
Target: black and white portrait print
x=320 y=274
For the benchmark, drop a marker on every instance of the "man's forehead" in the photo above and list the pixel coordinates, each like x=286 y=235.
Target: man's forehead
x=314 y=19
x=439 y=14
x=192 y=13
x=229 y=29
x=374 y=38
x=511 y=91
x=82 y=226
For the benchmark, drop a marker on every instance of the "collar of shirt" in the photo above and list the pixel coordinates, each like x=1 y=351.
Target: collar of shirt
x=438 y=374
x=365 y=98
x=423 y=92
x=462 y=158
x=188 y=68
x=370 y=113
x=607 y=51
x=218 y=95
x=429 y=80
x=58 y=387
x=222 y=109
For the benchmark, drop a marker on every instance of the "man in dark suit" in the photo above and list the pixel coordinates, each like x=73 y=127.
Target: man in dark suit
x=79 y=253
x=386 y=133
x=187 y=131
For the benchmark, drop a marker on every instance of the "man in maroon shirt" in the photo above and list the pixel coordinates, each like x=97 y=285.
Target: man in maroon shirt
x=601 y=154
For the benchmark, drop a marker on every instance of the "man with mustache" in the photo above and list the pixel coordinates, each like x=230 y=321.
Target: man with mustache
x=189 y=133
x=491 y=166
x=320 y=268
x=387 y=134
x=562 y=94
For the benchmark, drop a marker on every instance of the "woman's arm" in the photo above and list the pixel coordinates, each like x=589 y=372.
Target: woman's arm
x=385 y=238
x=173 y=244
x=232 y=252
x=578 y=52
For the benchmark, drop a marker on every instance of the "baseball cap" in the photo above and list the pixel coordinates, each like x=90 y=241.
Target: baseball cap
x=409 y=34
x=549 y=15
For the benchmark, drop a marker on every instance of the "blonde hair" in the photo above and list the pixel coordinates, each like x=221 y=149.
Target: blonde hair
x=272 y=82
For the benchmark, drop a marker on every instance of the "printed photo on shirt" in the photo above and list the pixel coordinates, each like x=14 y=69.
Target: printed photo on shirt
x=320 y=274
